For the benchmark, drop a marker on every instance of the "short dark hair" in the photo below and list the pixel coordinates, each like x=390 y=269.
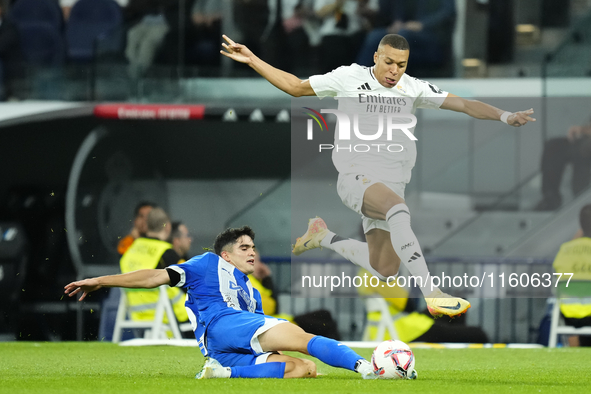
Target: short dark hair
x=175 y=232
x=229 y=237
x=396 y=41
x=136 y=210
x=585 y=220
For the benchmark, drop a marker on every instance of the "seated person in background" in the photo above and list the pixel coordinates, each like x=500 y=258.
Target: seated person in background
x=413 y=326
x=575 y=148
x=181 y=240
x=152 y=252
x=426 y=24
x=250 y=19
x=316 y=322
x=140 y=214
x=575 y=257
x=147 y=33
x=10 y=55
x=342 y=30
x=66 y=6
x=204 y=33
x=262 y=281
x=290 y=34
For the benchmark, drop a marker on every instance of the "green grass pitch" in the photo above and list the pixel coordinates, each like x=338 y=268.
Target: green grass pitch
x=94 y=367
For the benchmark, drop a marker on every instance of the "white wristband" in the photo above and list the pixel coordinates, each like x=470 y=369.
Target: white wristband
x=505 y=116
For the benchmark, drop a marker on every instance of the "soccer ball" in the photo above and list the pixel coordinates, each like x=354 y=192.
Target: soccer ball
x=393 y=360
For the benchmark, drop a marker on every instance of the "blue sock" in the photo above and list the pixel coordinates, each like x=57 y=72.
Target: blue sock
x=265 y=370
x=333 y=353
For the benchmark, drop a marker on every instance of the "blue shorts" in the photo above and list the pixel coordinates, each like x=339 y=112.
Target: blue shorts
x=233 y=339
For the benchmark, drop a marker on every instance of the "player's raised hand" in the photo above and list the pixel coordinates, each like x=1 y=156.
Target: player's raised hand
x=518 y=119
x=86 y=286
x=235 y=51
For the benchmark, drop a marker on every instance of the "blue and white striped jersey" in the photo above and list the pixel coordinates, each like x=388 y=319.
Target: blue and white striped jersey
x=215 y=288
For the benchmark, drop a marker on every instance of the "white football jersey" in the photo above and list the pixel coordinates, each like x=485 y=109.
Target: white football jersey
x=371 y=106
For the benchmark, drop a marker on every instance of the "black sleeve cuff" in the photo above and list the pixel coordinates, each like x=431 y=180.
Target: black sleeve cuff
x=174 y=276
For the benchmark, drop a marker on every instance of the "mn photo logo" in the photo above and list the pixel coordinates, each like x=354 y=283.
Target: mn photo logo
x=315 y=115
x=348 y=130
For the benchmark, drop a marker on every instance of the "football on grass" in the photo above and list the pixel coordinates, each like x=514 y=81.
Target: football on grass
x=393 y=360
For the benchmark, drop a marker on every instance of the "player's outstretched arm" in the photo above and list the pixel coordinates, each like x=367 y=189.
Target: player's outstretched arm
x=479 y=110
x=285 y=81
x=141 y=279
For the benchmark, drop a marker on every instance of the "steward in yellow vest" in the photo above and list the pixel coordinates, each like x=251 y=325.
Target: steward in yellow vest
x=140 y=226
x=575 y=257
x=574 y=293
x=414 y=326
x=262 y=281
x=318 y=322
x=148 y=253
x=410 y=326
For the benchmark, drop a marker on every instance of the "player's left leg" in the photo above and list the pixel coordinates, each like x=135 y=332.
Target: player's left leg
x=380 y=261
x=382 y=203
x=381 y=254
x=275 y=366
x=294 y=367
x=318 y=235
x=289 y=337
x=212 y=369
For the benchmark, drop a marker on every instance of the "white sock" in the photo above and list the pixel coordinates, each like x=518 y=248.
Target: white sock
x=355 y=251
x=406 y=245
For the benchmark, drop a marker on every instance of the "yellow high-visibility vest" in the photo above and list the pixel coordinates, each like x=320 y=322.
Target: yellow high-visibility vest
x=408 y=327
x=269 y=303
x=145 y=253
x=575 y=257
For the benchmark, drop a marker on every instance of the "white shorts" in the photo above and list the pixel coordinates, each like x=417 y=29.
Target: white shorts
x=270 y=322
x=351 y=189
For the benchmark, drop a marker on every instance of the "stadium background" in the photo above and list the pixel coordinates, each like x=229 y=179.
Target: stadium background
x=232 y=167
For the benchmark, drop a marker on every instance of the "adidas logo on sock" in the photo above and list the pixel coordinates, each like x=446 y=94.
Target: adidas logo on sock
x=414 y=257
x=365 y=86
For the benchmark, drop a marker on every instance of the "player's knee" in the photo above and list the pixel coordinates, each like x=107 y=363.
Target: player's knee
x=386 y=264
x=305 y=369
x=301 y=341
x=299 y=368
x=310 y=368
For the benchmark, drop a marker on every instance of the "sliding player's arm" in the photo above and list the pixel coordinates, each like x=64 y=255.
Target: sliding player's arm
x=285 y=81
x=479 y=110
x=141 y=279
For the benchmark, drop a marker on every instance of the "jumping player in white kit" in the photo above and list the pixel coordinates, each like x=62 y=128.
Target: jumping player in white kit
x=373 y=183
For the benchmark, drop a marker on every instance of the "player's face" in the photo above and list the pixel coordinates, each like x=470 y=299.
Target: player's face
x=390 y=65
x=242 y=255
x=185 y=239
x=141 y=220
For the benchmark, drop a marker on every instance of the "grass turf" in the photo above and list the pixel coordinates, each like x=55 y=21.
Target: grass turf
x=94 y=367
